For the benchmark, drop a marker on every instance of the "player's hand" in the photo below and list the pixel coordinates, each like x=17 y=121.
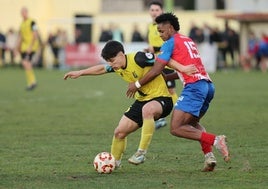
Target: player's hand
x=131 y=90
x=72 y=75
x=189 y=69
x=149 y=50
x=146 y=50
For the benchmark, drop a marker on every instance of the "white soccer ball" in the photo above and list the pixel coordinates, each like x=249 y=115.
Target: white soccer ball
x=104 y=162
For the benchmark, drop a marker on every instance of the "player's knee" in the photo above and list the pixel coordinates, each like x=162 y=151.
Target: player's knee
x=174 y=130
x=119 y=134
x=148 y=112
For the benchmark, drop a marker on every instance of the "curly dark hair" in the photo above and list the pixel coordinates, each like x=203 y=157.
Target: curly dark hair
x=169 y=18
x=111 y=49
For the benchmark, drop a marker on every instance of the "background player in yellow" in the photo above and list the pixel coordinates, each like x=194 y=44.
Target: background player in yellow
x=155 y=43
x=28 y=44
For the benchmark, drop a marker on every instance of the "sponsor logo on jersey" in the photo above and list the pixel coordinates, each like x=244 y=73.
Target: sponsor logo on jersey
x=149 y=55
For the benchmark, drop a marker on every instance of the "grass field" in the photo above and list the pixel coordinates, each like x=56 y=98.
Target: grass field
x=50 y=136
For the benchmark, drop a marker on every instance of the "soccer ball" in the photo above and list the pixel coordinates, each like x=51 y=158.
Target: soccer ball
x=104 y=162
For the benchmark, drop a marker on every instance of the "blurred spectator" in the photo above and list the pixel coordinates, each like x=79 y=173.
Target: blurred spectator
x=247 y=60
x=136 y=35
x=62 y=38
x=79 y=38
x=206 y=40
x=117 y=33
x=57 y=42
x=215 y=35
x=39 y=55
x=263 y=52
x=62 y=41
x=231 y=43
x=199 y=36
x=192 y=33
x=11 y=42
x=207 y=33
x=106 y=35
x=53 y=41
x=2 y=48
x=196 y=33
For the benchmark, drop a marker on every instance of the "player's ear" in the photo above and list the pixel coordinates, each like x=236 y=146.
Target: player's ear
x=121 y=53
x=170 y=28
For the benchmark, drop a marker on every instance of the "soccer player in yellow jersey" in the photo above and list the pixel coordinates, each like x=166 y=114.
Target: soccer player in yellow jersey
x=28 y=44
x=155 y=43
x=152 y=102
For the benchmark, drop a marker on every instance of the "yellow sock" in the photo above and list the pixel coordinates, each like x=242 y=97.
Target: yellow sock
x=174 y=98
x=118 y=147
x=30 y=77
x=146 y=134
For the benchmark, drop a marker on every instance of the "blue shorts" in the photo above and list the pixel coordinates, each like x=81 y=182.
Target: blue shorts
x=195 y=97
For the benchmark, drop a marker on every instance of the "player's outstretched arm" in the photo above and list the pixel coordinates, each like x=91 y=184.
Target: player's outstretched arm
x=94 y=70
x=189 y=69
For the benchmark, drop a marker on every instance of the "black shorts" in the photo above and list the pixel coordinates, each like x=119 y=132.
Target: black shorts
x=170 y=83
x=135 y=111
x=27 y=56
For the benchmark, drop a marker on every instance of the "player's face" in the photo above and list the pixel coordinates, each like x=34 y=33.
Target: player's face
x=165 y=31
x=117 y=62
x=155 y=11
x=24 y=12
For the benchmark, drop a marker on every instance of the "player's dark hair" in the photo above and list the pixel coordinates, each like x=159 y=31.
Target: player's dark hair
x=111 y=49
x=156 y=3
x=169 y=18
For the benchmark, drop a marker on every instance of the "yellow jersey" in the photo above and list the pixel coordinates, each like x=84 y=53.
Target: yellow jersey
x=138 y=64
x=27 y=28
x=154 y=38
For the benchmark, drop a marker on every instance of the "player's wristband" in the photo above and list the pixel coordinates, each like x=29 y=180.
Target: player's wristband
x=137 y=84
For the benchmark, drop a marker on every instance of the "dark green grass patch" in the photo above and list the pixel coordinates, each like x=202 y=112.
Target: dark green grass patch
x=50 y=136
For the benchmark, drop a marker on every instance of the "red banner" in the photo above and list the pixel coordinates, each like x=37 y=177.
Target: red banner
x=82 y=55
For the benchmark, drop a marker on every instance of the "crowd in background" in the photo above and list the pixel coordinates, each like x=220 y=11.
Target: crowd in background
x=229 y=54
x=8 y=43
x=227 y=41
x=57 y=41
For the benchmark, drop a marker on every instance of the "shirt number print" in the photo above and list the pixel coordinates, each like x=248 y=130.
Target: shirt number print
x=192 y=49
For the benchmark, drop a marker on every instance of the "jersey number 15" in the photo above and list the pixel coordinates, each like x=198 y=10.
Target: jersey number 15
x=192 y=49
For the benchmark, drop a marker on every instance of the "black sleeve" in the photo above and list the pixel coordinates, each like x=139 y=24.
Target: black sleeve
x=144 y=59
x=33 y=26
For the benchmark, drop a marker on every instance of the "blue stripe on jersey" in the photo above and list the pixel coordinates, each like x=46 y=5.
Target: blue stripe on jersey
x=166 y=50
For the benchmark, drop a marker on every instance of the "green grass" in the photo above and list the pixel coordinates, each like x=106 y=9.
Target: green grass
x=50 y=136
